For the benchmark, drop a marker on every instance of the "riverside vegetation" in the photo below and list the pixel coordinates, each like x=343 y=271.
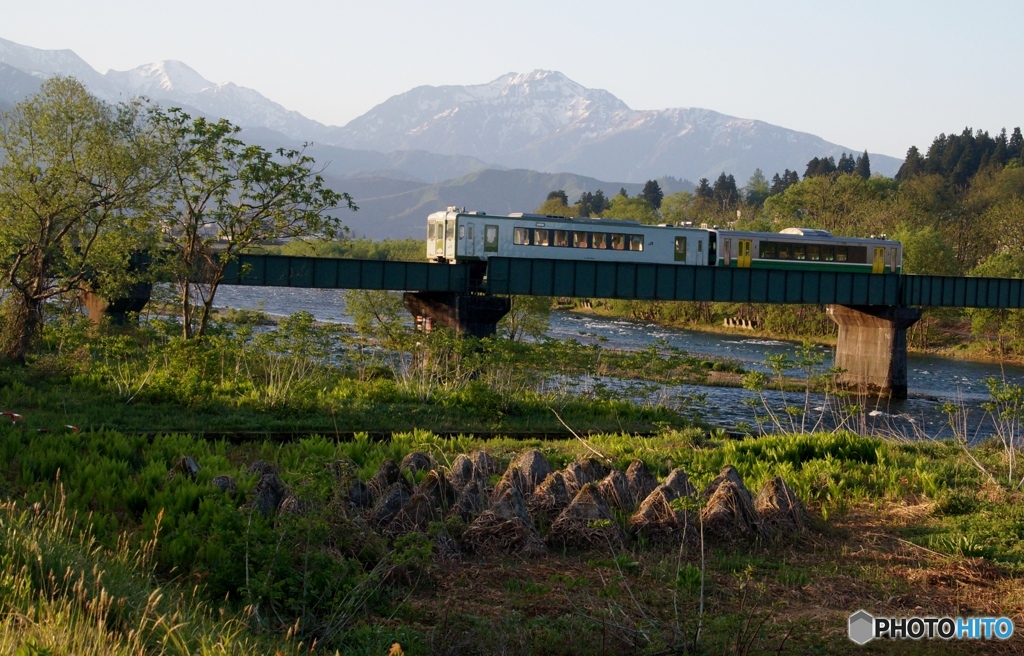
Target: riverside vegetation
x=165 y=541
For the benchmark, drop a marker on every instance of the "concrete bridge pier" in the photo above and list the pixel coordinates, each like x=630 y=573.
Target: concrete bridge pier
x=872 y=347
x=117 y=309
x=474 y=315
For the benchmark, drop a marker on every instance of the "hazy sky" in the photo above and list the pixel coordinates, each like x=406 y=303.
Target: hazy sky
x=876 y=75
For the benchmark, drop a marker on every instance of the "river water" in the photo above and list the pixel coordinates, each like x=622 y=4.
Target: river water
x=932 y=381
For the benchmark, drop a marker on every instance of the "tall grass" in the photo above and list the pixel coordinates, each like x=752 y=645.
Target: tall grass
x=61 y=592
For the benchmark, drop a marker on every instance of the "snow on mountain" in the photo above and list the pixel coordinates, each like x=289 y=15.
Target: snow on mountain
x=547 y=122
x=540 y=120
x=167 y=82
x=160 y=77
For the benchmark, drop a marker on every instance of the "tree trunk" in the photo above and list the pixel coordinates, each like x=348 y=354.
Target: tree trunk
x=21 y=319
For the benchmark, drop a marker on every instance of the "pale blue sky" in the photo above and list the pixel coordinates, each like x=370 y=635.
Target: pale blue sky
x=875 y=75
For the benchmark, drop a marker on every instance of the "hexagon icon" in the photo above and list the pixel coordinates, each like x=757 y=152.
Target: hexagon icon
x=862 y=627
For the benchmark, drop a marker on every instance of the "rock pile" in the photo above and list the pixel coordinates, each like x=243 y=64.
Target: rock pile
x=586 y=505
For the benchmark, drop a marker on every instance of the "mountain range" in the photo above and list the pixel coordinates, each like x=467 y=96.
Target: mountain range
x=499 y=146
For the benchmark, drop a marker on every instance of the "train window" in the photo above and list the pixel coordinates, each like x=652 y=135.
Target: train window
x=813 y=252
x=680 y=249
x=784 y=251
x=471 y=232
x=857 y=254
x=828 y=253
x=541 y=237
x=491 y=239
x=561 y=238
x=768 y=250
x=430 y=230
x=521 y=236
x=598 y=240
x=636 y=242
x=840 y=253
x=799 y=252
x=462 y=232
x=450 y=234
x=579 y=239
x=619 y=242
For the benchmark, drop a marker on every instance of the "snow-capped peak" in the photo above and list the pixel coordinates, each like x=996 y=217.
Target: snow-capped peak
x=161 y=76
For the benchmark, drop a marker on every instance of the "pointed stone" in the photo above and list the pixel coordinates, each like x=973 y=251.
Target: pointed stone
x=224 y=483
x=659 y=522
x=417 y=461
x=472 y=501
x=731 y=474
x=614 y=488
x=680 y=483
x=386 y=476
x=504 y=528
x=581 y=472
x=587 y=522
x=389 y=504
x=729 y=514
x=781 y=510
x=551 y=496
x=641 y=481
x=485 y=463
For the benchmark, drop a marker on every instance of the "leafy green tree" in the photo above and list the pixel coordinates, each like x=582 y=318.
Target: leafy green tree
x=925 y=251
x=757 y=189
x=1004 y=324
x=223 y=196
x=559 y=195
x=633 y=209
x=529 y=316
x=679 y=207
x=652 y=193
x=863 y=168
x=74 y=176
x=556 y=205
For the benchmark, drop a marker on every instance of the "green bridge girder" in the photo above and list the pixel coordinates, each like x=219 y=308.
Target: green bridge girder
x=628 y=280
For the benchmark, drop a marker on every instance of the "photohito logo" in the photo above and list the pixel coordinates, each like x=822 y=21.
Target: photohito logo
x=864 y=627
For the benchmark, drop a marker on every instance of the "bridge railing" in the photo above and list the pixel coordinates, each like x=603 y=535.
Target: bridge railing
x=337 y=273
x=630 y=280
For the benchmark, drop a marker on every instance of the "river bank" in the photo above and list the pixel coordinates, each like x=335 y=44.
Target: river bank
x=954 y=341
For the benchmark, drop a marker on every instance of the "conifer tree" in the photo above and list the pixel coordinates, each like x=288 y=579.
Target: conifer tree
x=704 y=189
x=864 y=166
x=652 y=193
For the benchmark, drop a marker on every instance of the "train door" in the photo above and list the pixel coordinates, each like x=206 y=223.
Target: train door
x=743 y=261
x=878 y=263
x=470 y=240
x=449 y=239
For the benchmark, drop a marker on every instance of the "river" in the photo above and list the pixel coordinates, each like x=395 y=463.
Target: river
x=932 y=381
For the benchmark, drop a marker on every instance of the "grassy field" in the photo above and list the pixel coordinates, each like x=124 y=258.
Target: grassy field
x=225 y=496
x=111 y=544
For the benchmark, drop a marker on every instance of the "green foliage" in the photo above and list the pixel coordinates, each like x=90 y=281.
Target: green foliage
x=632 y=209
x=529 y=316
x=221 y=191
x=74 y=176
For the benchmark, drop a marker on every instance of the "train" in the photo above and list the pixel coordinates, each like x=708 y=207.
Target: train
x=457 y=235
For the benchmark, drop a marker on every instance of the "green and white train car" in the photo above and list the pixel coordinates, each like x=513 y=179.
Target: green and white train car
x=454 y=236
x=807 y=248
